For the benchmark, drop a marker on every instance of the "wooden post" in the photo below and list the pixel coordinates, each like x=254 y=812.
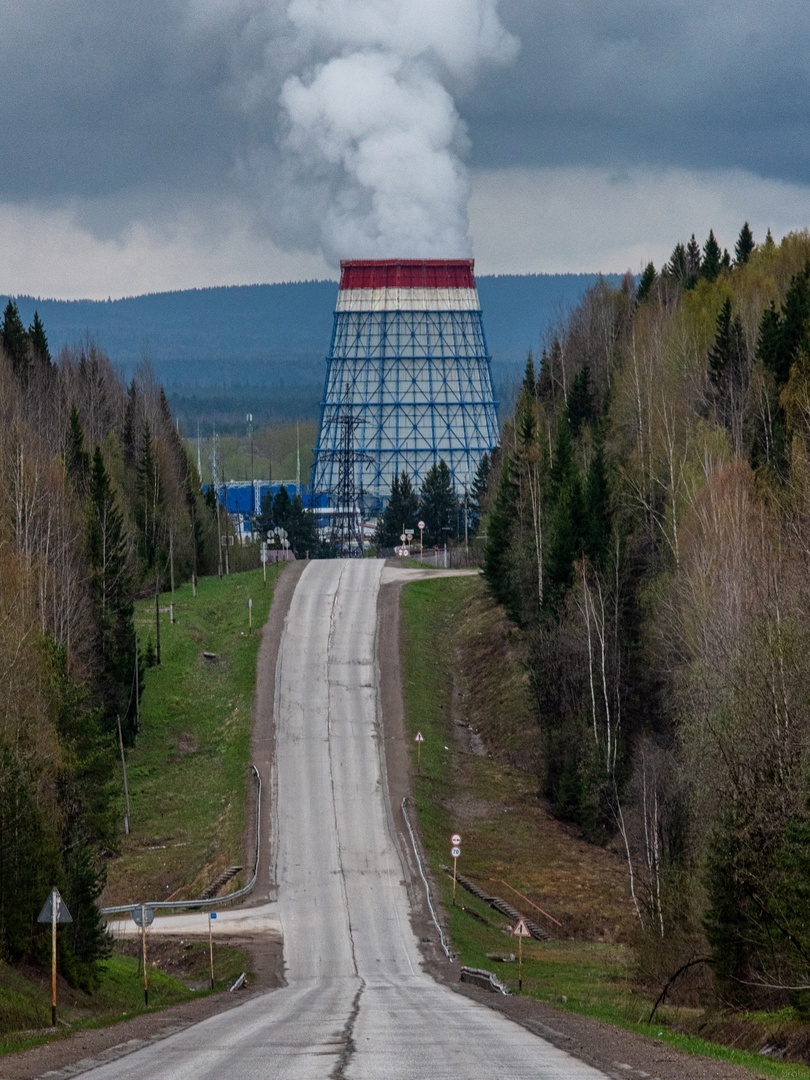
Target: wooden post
x=53 y=960
x=211 y=947
x=143 y=942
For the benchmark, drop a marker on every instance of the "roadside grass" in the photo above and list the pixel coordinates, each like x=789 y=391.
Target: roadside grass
x=25 y=996
x=463 y=680
x=188 y=770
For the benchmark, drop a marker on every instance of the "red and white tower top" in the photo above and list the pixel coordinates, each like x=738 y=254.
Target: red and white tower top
x=407 y=285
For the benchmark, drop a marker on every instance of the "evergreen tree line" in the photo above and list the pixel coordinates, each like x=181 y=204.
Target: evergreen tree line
x=97 y=489
x=647 y=524
x=290 y=515
x=436 y=503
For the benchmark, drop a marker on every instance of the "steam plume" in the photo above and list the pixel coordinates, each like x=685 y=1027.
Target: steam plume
x=374 y=144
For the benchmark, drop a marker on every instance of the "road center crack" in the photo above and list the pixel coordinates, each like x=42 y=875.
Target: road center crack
x=347 y=1037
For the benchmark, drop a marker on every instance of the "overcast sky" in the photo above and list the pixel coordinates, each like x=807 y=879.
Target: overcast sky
x=176 y=143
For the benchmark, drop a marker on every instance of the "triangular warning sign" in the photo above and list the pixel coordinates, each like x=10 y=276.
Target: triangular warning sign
x=62 y=913
x=521 y=929
x=419 y=737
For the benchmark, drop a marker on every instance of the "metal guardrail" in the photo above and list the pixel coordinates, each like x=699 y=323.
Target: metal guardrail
x=215 y=901
x=438 y=925
x=484 y=979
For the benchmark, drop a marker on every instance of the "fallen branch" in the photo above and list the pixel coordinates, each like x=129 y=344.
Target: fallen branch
x=671 y=980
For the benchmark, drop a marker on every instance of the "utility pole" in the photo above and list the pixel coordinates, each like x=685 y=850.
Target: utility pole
x=298 y=460
x=252 y=489
x=215 y=481
x=226 y=537
x=466 y=527
x=124 y=767
x=171 y=573
x=157 y=618
x=137 y=688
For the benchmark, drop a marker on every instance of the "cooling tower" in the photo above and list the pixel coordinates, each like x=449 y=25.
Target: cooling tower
x=407 y=377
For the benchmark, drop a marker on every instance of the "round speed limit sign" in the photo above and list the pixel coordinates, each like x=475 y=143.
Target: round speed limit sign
x=455 y=852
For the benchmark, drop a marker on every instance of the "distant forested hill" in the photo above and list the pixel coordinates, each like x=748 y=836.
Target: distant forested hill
x=219 y=351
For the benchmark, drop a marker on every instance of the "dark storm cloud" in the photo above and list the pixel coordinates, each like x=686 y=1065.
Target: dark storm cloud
x=694 y=84
x=185 y=115
x=104 y=97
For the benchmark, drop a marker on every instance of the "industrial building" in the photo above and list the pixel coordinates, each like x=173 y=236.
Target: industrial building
x=408 y=380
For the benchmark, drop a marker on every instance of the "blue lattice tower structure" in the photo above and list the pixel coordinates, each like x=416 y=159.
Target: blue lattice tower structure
x=408 y=360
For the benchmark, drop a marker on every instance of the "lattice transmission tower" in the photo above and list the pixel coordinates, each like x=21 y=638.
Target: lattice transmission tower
x=345 y=496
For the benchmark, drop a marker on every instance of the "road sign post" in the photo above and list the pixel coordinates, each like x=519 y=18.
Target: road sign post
x=520 y=931
x=54 y=911
x=143 y=915
x=420 y=738
x=212 y=915
x=421 y=526
x=455 y=851
x=250 y=616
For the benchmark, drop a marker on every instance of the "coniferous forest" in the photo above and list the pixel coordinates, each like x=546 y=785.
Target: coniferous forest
x=648 y=527
x=97 y=490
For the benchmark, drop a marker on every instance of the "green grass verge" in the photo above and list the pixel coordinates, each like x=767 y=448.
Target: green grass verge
x=25 y=998
x=591 y=978
x=188 y=772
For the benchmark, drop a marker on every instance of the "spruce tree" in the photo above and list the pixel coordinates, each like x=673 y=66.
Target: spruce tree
x=129 y=438
x=598 y=518
x=795 y=323
x=712 y=259
x=77 y=460
x=646 y=282
x=303 y=535
x=499 y=556
x=478 y=492
x=401 y=512
x=562 y=462
x=15 y=340
x=769 y=340
x=581 y=408
x=149 y=499
x=39 y=341
x=529 y=377
x=438 y=505
x=569 y=529
x=727 y=363
x=264 y=518
x=677 y=265
x=693 y=263
x=282 y=509
x=720 y=353
x=745 y=245
x=111 y=589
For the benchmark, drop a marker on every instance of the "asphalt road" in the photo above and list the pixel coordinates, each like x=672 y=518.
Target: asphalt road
x=357 y=1004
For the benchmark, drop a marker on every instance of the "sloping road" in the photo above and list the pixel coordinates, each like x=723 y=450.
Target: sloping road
x=357 y=1004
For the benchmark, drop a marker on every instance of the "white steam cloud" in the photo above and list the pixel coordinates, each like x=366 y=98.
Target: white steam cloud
x=374 y=146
